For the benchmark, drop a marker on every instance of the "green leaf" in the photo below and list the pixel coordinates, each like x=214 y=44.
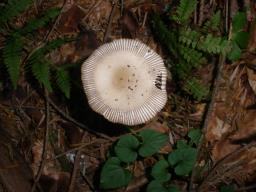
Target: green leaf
x=113 y=175
x=239 y=21
x=183 y=160
x=227 y=188
x=156 y=186
x=194 y=135
x=63 y=81
x=184 y=10
x=235 y=52
x=12 y=57
x=160 y=171
x=41 y=71
x=173 y=188
x=152 y=141
x=126 y=148
x=181 y=144
x=13 y=8
x=241 y=38
x=39 y=22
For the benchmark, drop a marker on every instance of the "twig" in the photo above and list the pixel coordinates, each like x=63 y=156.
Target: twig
x=67 y=117
x=208 y=114
x=56 y=21
x=74 y=149
x=201 y=13
x=75 y=168
x=44 y=153
x=110 y=21
x=91 y=9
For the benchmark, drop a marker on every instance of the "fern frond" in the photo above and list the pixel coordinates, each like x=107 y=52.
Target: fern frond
x=39 y=22
x=189 y=37
x=12 y=57
x=13 y=8
x=196 y=89
x=184 y=10
x=192 y=56
x=63 y=81
x=213 y=23
x=210 y=44
x=41 y=72
x=166 y=36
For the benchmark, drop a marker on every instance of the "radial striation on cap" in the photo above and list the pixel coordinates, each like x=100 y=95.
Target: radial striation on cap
x=125 y=81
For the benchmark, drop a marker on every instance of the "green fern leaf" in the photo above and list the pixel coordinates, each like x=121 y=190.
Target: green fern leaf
x=192 y=56
x=63 y=81
x=213 y=23
x=189 y=37
x=167 y=37
x=13 y=8
x=12 y=57
x=41 y=72
x=196 y=89
x=215 y=45
x=37 y=23
x=184 y=10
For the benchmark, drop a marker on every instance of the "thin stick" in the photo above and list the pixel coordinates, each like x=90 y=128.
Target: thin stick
x=46 y=136
x=208 y=114
x=75 y=168
x=201 y=13
x=107 y=33
x=67 y=117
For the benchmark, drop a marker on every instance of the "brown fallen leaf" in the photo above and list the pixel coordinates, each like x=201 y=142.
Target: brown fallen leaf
x=129 y=24
x=69 y=20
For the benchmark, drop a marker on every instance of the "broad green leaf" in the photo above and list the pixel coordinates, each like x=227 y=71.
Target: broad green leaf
x=63 y=81
x=239 y=21
x=183 y=160
x=241 y=38
x=156 y=186
x=113 y=175
x=152 y=141
x=194 y=135
x=160 y=171
x=126 y=148
x=173 y=188
x=181 y=144
x=235 y=52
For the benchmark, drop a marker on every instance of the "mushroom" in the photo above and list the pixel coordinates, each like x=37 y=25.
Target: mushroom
x=125 y=81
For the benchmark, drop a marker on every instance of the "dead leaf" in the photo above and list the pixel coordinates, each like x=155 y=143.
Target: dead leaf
x=70 y=20
x=129 y=24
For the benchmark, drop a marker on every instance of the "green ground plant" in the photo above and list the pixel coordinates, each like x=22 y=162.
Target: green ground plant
x=190 y=46
x=17 y=54
x=130 y=148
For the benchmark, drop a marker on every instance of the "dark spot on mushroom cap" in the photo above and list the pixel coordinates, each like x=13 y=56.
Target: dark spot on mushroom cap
x=116 y=99
x=142 y=94
x=133 y=74
x=128 y=66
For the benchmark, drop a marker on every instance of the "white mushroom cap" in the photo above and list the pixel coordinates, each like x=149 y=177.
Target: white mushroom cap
x=125 y=81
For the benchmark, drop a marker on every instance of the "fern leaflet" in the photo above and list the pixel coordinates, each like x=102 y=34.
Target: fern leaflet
x=184 y=10
x=37 y=23
x=12 y=57
x=12 y=9
x=213 y=23
x=192 y=56
x=196 y=89
x=63 y=81
x=41 y=72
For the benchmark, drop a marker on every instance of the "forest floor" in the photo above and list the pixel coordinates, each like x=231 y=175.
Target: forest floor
x=49 y=143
